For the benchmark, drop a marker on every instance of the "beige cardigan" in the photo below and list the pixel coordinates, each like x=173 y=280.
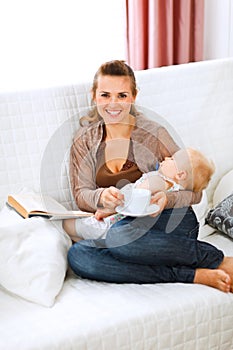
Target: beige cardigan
x=151 y=143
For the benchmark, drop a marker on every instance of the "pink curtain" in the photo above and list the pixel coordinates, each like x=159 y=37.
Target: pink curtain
x=164 y=32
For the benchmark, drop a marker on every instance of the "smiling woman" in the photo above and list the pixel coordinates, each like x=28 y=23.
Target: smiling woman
x=51 y=42
x=113 y=98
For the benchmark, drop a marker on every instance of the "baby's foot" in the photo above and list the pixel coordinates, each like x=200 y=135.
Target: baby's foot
x=214 y=278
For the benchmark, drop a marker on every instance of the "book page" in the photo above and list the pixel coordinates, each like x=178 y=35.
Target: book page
x=32 y=204
x=35 y=202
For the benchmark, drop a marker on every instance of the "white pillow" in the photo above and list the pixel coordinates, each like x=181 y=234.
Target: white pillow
x=224 y=188
x=33 y=259
x=9 y=216
x=201 y=208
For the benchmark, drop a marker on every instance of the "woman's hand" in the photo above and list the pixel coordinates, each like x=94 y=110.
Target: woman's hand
x=161 y=200
x=111 y=197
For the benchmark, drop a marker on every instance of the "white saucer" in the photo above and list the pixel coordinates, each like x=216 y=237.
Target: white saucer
x=151 y=209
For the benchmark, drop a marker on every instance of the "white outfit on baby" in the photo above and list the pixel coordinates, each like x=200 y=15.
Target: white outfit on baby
x=91 y=228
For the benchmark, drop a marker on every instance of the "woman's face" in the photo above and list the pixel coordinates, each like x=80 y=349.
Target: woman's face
x=113 y=98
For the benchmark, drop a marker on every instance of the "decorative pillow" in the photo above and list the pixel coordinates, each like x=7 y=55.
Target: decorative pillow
x=33 y=259
x=221 y=217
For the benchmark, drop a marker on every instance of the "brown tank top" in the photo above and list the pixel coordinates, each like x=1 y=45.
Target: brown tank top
x=128 y=173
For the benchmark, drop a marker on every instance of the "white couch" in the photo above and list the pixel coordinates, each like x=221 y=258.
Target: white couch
x=193 y=99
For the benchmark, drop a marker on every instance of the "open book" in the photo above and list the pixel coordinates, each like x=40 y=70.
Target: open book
x=30 y=204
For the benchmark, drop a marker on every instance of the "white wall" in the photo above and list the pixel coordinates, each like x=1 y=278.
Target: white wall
x=57 y=42
x=218 y=29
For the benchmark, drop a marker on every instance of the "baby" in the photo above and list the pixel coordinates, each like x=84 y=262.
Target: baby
x=187 y=169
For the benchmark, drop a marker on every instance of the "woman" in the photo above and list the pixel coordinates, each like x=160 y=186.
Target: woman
x=116 y=147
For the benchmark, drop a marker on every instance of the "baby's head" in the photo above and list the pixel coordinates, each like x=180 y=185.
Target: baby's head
x=190 y=168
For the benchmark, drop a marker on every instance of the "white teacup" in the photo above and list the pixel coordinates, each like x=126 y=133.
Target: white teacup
x=138 y=200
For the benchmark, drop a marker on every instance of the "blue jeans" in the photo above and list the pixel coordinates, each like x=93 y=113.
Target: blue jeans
x=146 y=250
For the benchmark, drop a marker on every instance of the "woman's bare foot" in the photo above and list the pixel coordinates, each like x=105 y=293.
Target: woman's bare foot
x=214 y=278
x=227 y=266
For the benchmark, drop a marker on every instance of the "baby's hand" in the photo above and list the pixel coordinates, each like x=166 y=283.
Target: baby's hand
x=100 y=214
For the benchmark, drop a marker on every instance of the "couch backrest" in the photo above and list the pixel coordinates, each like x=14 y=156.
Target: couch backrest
x=37 y=127
x=197 y=100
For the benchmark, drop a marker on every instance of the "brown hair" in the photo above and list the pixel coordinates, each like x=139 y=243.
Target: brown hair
x=202 y=169
x=113 y=68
